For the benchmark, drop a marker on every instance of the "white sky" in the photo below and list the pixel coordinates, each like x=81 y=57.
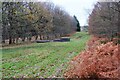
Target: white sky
x=80 y=8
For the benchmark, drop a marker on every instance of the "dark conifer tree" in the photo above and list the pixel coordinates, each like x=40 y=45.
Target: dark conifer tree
x=78 y=24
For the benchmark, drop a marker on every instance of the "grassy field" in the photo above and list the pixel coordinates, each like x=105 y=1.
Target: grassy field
x=41 y=59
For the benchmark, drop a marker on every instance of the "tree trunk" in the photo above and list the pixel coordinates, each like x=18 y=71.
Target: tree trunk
x=40 y=37
x=29 y=38
x=36 y=37
x=10 y=40
x=47 y=37
x=3 y=40
x=23 y=39
x=17 y=40
x=43 y=37
x=13 y=40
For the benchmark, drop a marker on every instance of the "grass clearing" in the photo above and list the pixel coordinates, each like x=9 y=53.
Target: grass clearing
x=41 y=59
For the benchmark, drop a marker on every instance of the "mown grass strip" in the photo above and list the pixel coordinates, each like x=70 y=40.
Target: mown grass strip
x=42 y=59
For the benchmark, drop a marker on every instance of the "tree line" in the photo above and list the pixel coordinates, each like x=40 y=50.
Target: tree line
x=41 y=20
x=104 y=21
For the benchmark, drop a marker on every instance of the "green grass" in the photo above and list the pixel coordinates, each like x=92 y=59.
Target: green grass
x=42 y=59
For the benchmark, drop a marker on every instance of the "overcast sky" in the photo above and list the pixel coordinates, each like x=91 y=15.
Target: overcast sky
x=80 y=8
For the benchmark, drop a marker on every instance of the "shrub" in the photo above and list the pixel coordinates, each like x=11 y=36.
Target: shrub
x=98 y=61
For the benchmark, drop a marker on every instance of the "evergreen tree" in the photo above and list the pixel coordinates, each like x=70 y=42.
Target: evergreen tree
x=78 y=24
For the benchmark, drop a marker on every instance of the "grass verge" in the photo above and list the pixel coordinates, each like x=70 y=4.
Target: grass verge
x=41 y=59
